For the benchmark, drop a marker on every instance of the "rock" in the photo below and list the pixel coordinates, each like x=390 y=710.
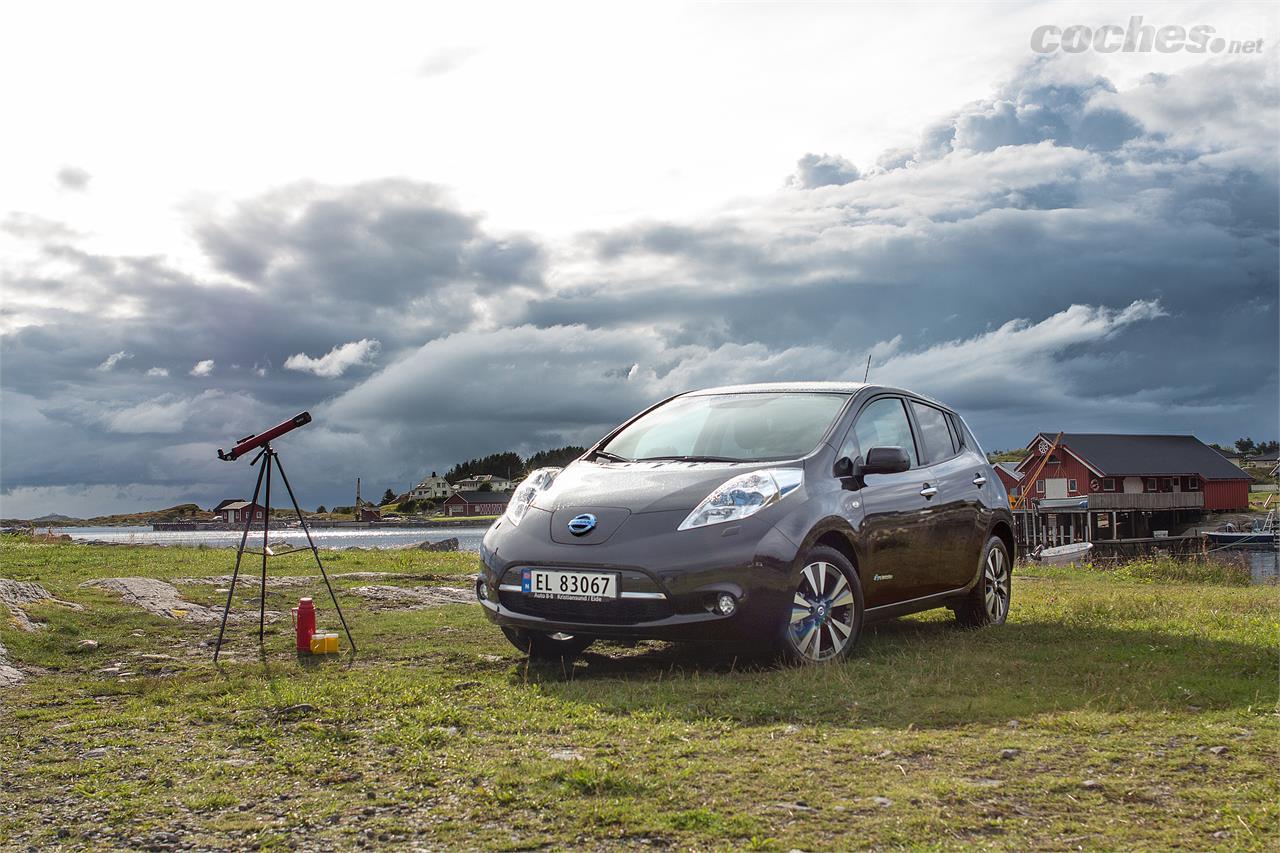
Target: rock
x=1222 y=833
x=16 y=596
x=790 y=729
x=492 y=658
x=414 y=597
x=294 y=711
x=565 y=755
x=1013 y=724
x=95 y=753
x=156 y=596
x=1006 y=754
x=87 y=646
x=1219 y=750
x=883 y=802
x=1091 y=784
x=450 y=544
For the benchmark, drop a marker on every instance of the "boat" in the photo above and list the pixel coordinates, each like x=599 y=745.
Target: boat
x=1261 y=532
x=1062 y=555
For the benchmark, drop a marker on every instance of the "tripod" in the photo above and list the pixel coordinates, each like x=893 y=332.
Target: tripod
x=272 y=460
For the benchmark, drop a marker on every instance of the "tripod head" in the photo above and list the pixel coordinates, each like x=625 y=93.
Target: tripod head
x=252 y=442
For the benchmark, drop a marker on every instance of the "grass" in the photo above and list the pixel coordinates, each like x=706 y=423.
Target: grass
x=1093 y=719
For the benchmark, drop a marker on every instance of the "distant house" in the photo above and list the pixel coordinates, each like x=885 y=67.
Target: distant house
x=1265 y=461
x=217 y=510
x=1008 y=474
x=238 y=512
x=368 y=512
x=1112 y=486
x=476 y=503
x=432 y=488
x=477 y=482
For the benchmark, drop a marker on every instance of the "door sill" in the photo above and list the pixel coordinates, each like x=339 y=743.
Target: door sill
x=913 y=605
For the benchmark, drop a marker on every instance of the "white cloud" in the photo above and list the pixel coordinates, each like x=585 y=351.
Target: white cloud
x=114 y=359
x=338 y=360
x=203 y=368
x=158 y=371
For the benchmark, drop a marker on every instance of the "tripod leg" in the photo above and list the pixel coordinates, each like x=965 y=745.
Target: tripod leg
x=266 y=527
x=316 y=553
x=244 y=537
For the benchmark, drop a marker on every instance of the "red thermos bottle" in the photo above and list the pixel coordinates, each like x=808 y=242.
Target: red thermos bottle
x=304 y=622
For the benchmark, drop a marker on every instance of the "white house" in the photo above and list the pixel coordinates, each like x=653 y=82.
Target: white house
x=433 y=488
x=475 y=484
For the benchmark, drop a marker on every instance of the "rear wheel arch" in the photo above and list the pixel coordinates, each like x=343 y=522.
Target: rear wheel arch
x=1004 y=530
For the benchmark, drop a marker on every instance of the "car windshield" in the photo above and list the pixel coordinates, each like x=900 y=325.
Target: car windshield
x=729 y=428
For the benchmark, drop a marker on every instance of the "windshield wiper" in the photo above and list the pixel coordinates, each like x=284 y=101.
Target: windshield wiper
x=687 y=459
x=612 y=457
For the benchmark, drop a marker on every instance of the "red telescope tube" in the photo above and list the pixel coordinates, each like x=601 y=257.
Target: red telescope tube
x=253 y=442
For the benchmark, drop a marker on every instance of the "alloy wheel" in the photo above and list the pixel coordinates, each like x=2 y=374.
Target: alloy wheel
x=995 y=581
x=822 y=613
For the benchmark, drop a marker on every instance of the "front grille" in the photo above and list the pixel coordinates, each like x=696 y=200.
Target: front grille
x=622 y=611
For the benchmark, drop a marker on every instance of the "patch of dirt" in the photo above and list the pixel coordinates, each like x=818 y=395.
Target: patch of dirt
x=413 y=597
x=162 y=599
x=19 y=595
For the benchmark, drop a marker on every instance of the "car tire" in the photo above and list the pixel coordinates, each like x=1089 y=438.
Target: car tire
x=824 y=617
x=988 y=602
x=547 y=647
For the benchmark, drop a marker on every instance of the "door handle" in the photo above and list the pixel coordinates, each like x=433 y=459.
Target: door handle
x=979 y=480
x=928 y=491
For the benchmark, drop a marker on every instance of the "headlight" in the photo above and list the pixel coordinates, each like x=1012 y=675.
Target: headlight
x=744 y=496
x=529 y=488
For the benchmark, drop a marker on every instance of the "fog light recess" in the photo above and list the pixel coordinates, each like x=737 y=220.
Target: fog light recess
x=726 y=604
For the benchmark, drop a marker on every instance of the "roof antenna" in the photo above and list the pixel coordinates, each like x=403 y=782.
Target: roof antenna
x=868 y=370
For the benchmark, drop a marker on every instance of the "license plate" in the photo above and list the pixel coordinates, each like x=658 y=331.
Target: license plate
x=575 y=586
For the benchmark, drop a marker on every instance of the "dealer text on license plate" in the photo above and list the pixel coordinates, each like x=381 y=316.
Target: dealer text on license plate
x=582 y=586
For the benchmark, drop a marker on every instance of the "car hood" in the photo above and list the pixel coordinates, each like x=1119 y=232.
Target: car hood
x=639 y=486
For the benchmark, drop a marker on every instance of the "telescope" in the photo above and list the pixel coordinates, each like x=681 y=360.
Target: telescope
x=253 y=442
x=271 y=465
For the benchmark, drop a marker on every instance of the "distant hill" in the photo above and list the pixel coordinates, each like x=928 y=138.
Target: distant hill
x=173 y=513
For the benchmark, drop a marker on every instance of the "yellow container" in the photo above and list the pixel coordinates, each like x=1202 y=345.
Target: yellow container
x=324 y=644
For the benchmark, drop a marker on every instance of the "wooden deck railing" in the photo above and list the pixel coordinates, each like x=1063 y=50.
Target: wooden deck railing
x=1146 y=500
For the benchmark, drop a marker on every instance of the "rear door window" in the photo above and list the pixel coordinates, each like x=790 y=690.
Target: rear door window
x=935 y=434
x=883 y=423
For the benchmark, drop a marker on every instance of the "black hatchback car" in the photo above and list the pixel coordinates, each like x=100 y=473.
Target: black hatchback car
x=786 y=515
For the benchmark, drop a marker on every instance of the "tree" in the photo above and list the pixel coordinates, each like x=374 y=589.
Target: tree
x=485 y=487
x=557 y=458
x=388 y=497
x=506 y=464
x=410 y=506
x=1245 y=445
x=321 y=508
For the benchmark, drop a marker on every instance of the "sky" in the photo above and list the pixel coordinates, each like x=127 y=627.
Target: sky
x=452 y=230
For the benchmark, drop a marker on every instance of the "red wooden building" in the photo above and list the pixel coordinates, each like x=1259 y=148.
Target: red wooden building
x=1110 y=486
x=476 y=503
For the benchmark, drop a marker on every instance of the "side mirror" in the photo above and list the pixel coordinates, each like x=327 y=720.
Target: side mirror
x=886 y=460
x=844 y=467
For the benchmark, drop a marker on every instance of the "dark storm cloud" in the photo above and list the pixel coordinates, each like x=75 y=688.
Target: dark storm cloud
x=1061 y=255
x=329 y=282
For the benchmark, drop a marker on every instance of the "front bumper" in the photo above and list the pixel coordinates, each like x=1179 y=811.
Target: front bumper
x=668 y=579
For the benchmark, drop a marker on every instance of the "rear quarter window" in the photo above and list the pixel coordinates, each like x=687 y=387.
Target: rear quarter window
x=935 y=433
